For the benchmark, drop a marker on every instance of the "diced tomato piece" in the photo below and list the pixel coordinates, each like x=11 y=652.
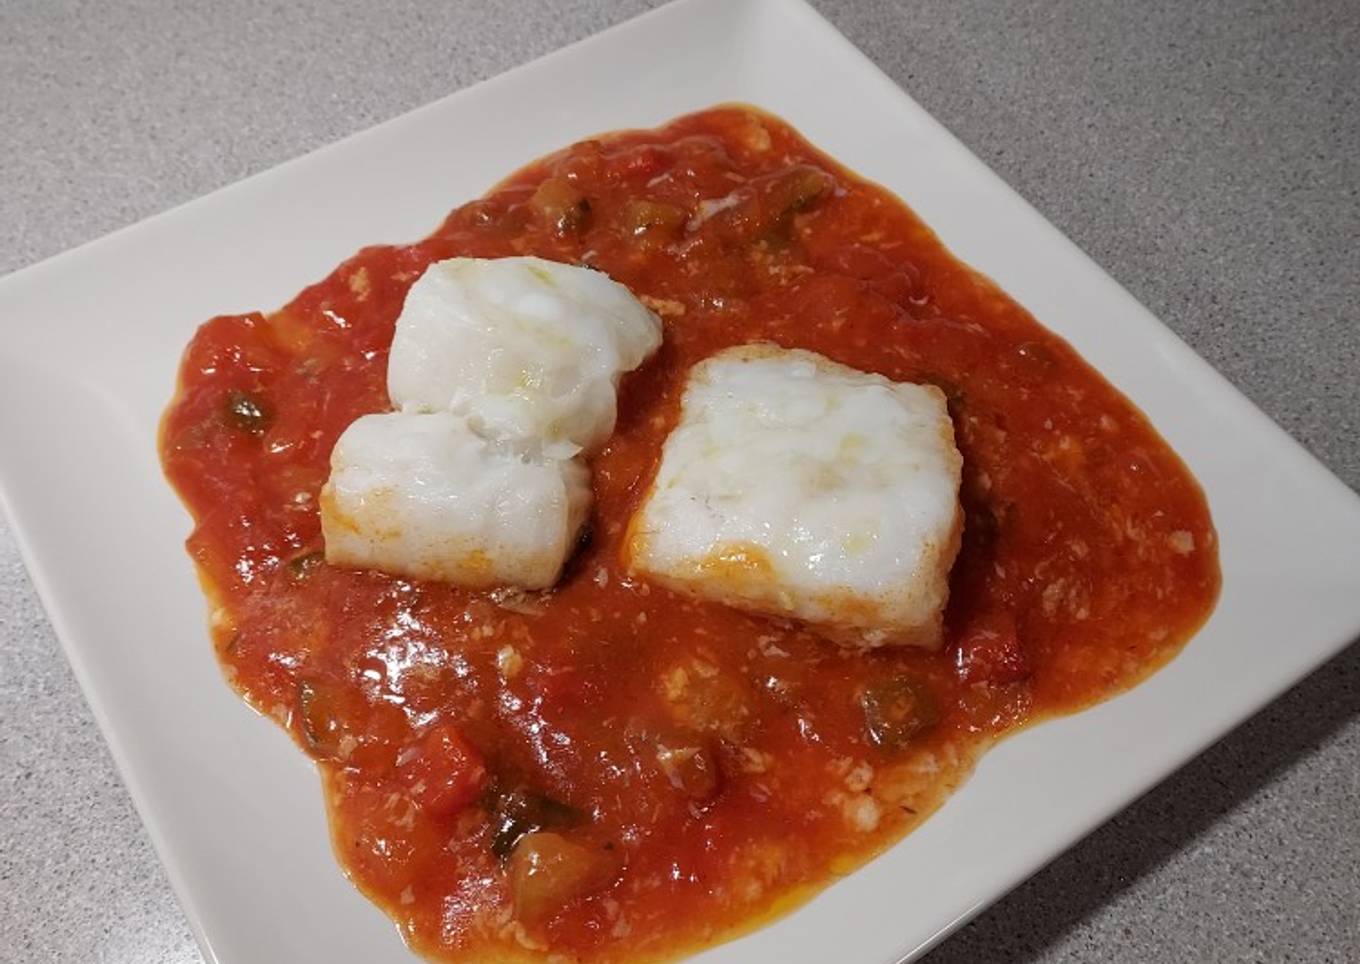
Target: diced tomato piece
x=991 y=651
x=644 y=160
x=446 y=773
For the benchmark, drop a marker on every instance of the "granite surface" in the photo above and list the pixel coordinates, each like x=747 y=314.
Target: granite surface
x=1207 y=154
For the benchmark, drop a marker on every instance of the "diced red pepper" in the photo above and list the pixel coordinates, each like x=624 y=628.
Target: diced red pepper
x=991 y=651
x=644 y=160
x=446 y=773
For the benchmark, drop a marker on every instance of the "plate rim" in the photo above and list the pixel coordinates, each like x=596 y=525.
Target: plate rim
x=44 y=581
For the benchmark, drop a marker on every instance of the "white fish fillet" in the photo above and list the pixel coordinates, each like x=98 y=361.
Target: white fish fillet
x=525 y=348
x=798 y=487
x=422 y=495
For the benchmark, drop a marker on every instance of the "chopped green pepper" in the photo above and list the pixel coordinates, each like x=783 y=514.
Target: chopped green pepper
x=522 y=811
x=548 y=870
x=896 y=711
x=639 y=214
x=564 y=207
x=322 y=727
x=300 y=567
x=247 y=412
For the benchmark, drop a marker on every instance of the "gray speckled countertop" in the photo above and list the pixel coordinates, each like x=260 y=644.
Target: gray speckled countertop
x=1207 y=154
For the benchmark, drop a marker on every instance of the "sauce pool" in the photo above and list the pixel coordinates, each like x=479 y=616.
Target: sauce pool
x=611 y=771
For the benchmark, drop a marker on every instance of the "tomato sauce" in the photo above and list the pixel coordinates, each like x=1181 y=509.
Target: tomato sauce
x=610 y=771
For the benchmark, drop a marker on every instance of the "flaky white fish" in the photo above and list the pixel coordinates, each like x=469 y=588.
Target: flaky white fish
x=422 y=495
x=798 y=487
x=525 y=348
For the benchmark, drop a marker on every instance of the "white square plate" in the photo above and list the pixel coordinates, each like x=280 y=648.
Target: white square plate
x=91 y=343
